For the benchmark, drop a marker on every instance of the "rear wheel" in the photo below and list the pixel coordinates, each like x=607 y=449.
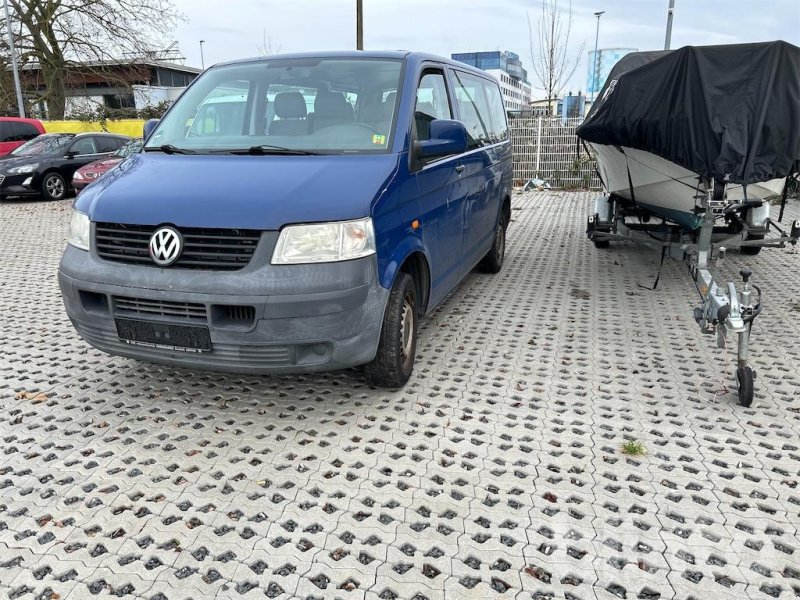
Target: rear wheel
x=394 y=361
x=54 y=187
x=493 y=261
x=752 y=250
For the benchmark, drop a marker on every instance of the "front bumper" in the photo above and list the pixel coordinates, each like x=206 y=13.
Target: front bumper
x=13 y=186
x=304 y=317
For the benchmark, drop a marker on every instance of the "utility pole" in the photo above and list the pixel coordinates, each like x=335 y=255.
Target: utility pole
x=359 y=25
x=202 y=58
x=20 y=102
x=595 y=61
x=669 y=24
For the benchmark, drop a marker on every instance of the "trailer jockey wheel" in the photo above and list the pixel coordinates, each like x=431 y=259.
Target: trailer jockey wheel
x=744 y=375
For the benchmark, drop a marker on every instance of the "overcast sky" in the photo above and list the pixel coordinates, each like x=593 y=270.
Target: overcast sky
x=237 y=28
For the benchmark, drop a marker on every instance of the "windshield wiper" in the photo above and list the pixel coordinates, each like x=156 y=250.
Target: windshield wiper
x=270 y=149
x=169 y=149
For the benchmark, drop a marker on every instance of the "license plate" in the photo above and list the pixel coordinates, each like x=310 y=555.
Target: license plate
x=184 y=338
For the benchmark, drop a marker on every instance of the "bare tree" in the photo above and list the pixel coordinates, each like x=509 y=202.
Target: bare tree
x=550 y=59
x=57 y=33
x=265 y=48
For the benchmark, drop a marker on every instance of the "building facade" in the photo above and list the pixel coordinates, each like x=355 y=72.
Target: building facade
x=507 y=68
x=133 y=84
x=600 y=65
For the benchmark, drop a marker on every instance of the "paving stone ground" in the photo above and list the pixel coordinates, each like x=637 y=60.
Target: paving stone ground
x=496 y=472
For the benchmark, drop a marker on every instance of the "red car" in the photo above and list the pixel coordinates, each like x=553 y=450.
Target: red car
x=86 y=175
x=15 y=131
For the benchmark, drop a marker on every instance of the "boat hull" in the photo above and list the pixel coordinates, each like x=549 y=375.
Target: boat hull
x=664 y=188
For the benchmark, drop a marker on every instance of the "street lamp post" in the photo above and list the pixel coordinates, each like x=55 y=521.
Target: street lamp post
x=20 y=103
x=359 y=25
x=594 y=62
x=668 y=39
x=202 y=58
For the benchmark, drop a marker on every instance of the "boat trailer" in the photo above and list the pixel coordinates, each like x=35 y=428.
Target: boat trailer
x=725 y=311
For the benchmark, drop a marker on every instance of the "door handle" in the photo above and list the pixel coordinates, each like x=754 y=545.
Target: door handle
x=460 y=169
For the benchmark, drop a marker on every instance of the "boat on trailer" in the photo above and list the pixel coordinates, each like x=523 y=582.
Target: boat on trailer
x=689 y=145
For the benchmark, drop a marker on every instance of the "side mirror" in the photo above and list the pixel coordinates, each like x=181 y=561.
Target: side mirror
x=71 y=154
x=149 y=126
x=447 y=137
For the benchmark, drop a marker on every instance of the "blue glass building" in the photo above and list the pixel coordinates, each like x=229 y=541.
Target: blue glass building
x=603 y=61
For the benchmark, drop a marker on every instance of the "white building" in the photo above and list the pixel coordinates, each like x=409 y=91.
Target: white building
x=516 y=92
x=507 y=68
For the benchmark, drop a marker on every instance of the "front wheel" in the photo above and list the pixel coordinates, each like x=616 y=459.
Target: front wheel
x=394 y=361
x=493 y=261
x=54 y=187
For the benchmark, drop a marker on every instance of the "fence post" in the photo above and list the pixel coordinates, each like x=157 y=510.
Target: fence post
x=538 y=145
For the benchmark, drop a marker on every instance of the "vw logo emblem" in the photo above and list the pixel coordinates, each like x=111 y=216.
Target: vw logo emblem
x=165 y=246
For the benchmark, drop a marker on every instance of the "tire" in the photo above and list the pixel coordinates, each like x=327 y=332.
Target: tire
x=752 y=250
x=601 y=243
x=493 y=261
x=54 y=187
x=394 y=361
x=744 y=375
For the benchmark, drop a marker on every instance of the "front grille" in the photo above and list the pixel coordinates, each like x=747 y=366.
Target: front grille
x=214 y=249
x=159 y=308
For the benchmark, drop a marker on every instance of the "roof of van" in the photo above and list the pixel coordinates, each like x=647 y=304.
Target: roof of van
x=395 y=54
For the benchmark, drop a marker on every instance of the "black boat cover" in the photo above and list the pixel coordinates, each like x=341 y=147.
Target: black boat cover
x=724 y=112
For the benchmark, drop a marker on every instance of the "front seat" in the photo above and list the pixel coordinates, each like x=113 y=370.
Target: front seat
x=290 y=108
x=331 y=108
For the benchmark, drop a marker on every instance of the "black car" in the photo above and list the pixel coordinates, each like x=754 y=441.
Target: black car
x=44 y=165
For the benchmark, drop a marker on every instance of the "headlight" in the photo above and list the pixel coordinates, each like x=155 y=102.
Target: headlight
x=23 y=169
x=77 y=175
x=79 y=230
x=324 y=242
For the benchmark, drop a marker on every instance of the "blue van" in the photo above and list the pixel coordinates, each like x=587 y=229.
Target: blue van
x=295 y=213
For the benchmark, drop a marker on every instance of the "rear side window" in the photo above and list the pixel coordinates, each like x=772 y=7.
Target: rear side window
x=499 y=131
x=17 y=132
x=432 y=103
x=481 y=109
x=107 y=144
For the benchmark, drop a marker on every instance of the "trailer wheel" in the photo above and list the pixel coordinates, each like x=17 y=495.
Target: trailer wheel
x=752 y=250
x=744 y=375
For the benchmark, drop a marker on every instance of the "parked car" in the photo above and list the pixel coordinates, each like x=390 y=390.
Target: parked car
x=15 y=131
x=274 y=239
x=44 y=166
x=86 y=175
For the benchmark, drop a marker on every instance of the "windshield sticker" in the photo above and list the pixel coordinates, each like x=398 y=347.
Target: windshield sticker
x=378 y=138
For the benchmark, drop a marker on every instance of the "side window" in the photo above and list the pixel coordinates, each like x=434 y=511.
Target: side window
x=107 y=144
x=497 y=112
x=5 y=131
x=83 y=146
x=473 y=106
x=432 y=103
x=22 y=132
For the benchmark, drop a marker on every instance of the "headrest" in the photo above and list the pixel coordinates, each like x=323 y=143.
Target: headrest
x=332 y=104
x=290 y=105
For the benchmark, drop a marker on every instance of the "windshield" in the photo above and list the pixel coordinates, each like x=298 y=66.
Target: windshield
x=131 y=147
x=43 y=144
x=334 y=105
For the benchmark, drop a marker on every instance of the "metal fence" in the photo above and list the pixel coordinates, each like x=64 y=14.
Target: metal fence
x=547 y=148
